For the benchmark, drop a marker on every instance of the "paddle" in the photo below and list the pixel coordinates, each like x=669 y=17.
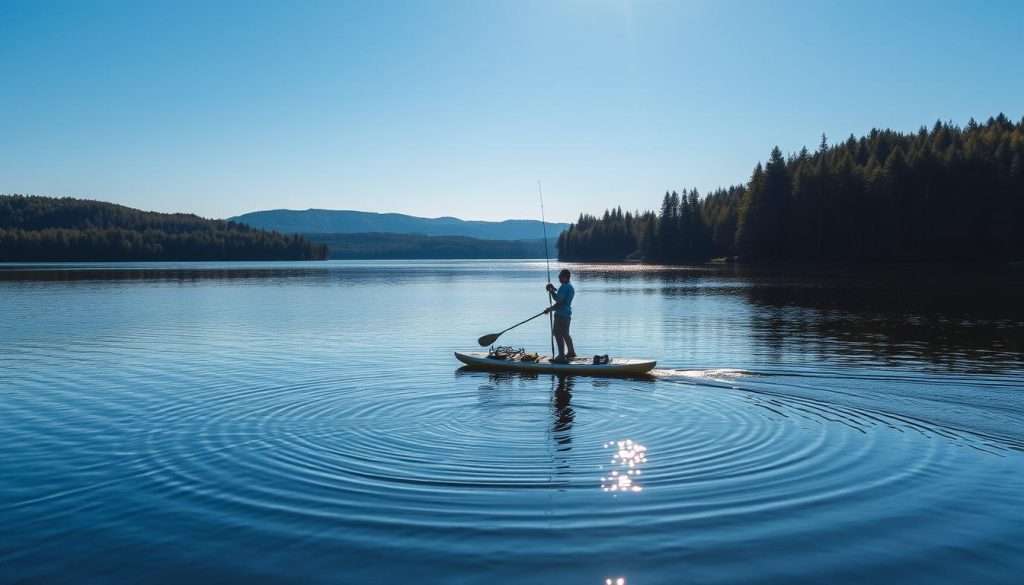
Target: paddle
x=491 y=338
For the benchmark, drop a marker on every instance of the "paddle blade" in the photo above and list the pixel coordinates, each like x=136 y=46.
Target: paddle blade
x=488 y=339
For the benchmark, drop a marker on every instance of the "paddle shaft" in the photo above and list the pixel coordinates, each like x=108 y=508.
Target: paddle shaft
x=524 y=321
x=490 y=338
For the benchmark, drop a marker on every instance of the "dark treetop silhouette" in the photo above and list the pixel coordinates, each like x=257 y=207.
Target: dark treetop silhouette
x=943 y=194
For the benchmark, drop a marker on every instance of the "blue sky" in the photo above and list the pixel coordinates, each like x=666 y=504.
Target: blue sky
x=458 y=108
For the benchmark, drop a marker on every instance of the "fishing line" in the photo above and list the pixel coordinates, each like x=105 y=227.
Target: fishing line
x=544 y=224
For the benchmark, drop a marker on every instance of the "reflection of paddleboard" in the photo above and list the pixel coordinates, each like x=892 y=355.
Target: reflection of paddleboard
x=578 y=366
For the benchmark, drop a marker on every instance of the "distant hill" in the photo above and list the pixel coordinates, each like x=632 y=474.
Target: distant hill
x=66 y=229
x=415 y=246
x=325 y=221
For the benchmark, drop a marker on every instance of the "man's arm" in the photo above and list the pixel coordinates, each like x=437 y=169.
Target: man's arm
x=557 y=305
x=559 y=301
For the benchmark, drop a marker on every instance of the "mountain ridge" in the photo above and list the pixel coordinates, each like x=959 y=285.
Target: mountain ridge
x=345 y=221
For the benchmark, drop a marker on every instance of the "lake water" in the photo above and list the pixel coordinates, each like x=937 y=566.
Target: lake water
x=306 y=422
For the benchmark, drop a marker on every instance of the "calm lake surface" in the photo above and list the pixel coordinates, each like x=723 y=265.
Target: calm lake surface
x=307 y=422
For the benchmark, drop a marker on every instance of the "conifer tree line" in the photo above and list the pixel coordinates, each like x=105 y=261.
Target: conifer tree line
x=939 y=194
x=34 y=228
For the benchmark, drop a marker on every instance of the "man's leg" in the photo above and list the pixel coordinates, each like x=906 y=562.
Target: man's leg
x=566 y=322
x=560 y=331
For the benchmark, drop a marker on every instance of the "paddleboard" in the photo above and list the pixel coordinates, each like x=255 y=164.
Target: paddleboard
x=578 y=366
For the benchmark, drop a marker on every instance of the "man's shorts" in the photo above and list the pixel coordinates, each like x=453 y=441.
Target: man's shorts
x=561 y=327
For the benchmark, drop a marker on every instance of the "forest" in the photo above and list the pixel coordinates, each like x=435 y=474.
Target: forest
x=387 y=246
x=947 y=193
x=34 y=228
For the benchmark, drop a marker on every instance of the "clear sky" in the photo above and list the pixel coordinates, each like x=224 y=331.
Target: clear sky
x=458 y=108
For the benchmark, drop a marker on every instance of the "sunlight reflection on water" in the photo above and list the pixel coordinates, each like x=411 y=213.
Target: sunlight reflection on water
x=626 y=462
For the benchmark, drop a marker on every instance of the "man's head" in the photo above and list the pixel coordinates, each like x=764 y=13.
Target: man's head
x=564 y=275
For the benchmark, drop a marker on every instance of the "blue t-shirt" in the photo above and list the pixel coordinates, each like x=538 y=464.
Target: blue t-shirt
x=564 y=299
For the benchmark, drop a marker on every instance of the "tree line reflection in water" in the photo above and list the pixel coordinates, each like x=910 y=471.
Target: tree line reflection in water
x=948 y=317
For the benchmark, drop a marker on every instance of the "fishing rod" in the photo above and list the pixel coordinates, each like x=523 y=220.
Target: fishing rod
x=547 y=261
x=544 y=224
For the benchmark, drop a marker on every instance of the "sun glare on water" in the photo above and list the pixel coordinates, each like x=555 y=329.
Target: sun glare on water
x=626 y=462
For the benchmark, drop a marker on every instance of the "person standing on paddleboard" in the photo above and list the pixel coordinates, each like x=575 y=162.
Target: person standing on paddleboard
x=563 y=315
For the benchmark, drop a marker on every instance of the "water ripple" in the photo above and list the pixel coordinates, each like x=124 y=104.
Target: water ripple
x=213 y=439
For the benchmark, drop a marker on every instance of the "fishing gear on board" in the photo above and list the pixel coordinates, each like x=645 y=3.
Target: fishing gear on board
x=506 y=352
